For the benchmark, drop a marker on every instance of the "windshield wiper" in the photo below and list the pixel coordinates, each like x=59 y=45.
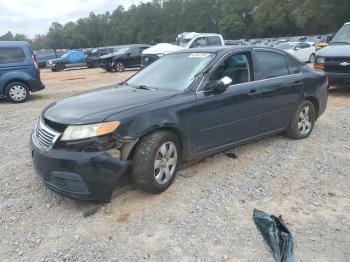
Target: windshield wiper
x=346 y=43
x=143 y=87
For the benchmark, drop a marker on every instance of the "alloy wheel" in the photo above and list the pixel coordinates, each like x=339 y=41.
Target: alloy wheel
x=304 y=124
x=165 y=163
x=120 y=67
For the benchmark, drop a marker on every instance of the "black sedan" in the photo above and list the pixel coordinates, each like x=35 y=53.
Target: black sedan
x=187 y=105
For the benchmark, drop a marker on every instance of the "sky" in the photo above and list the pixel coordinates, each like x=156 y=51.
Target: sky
x=32 y=17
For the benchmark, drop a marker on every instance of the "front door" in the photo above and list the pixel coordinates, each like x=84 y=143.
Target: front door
x=233 y=115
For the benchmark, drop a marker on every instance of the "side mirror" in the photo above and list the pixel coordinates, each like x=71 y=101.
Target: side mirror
x=220 y=85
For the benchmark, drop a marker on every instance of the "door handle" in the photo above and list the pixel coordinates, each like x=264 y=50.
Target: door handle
x=253 y=92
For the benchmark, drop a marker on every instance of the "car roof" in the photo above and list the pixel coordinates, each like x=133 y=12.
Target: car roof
x=13 y=43
x=226 y=49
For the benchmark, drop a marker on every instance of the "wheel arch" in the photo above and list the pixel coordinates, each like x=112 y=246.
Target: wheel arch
x=17 y=80
x=316 y=104
x=183 y=139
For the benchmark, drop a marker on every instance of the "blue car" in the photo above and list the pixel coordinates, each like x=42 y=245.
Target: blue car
x=19 y=71
x=68 y=60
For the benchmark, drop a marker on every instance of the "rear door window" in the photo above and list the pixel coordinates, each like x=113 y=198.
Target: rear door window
x=292 y=67
x=11 y=55
x=214 y=41
x=270 y=65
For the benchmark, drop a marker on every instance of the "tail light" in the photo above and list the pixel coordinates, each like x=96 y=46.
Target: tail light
x=36 y=66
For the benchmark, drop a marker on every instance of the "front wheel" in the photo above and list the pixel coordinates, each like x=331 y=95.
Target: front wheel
x=156 y=161
x=303 y=121
x=119 y=67
x=59 y=67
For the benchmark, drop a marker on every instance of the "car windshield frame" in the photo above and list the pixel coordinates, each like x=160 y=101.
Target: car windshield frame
x=165 y=79
x=343 y=35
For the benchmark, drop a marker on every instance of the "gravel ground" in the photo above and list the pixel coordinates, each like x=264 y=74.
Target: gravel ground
x=206 y=215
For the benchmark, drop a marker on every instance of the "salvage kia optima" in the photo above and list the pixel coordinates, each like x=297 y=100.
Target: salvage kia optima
x=187 y=105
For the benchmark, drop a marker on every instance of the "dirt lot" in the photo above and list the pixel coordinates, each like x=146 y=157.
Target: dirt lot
x=206 y=215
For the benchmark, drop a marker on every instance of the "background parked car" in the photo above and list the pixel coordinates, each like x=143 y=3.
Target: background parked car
x=93 y=57
x=335 y=58
x=68 y=60
x=42 y=56
x=185 y=40
x=126 y=57
x=305 y=52
x=19 y=71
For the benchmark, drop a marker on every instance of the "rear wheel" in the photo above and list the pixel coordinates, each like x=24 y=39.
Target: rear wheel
x=119 y=67
x=303 y=121
x=156 y=161
x=17 y=92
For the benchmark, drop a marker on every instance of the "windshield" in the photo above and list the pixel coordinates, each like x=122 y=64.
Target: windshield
x=343 y=35
x=175 y=71
x=123 y=51
x=285 y=46
x=182 y=42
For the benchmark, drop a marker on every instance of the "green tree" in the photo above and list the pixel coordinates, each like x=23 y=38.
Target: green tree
x=232 y=27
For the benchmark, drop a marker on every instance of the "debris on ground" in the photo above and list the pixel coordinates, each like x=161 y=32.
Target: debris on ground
x=231 y=154
x=276 y=234
x=188 y=174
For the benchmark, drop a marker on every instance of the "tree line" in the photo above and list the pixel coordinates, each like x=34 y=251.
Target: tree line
x=162 y=20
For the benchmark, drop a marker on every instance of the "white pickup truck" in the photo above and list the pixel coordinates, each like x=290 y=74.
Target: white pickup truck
x=184 y=40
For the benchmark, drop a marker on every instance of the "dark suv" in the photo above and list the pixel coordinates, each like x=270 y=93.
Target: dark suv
x=93 y=56
x=126 y=57
x=19 y=71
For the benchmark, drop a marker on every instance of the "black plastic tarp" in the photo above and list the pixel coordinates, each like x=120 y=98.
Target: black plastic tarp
x=276 y=234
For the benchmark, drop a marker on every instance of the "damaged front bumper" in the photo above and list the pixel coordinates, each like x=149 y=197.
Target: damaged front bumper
x=89 y=176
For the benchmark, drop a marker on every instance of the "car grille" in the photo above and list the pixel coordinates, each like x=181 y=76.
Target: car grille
x=333 y=65
x=55 y=126
x=45 y=136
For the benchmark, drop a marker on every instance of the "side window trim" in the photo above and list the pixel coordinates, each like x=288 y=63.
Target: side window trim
x=257 y=77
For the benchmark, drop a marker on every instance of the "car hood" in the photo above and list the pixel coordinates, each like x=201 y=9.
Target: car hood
x=335 y=51
x=96 y=106
x=162 y=48
x=108 y=56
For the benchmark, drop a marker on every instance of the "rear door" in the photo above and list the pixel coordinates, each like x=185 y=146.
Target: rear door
x=282 y=84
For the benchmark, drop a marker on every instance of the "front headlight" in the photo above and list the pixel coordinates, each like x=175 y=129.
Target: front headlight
x=320 y=60
x=87 y=131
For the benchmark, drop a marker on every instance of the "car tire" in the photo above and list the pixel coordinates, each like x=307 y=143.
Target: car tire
x=119 y=67
x=312 y=58
x=303 y=121
x=156 y=160
x=17 y=92
x=59 y=67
